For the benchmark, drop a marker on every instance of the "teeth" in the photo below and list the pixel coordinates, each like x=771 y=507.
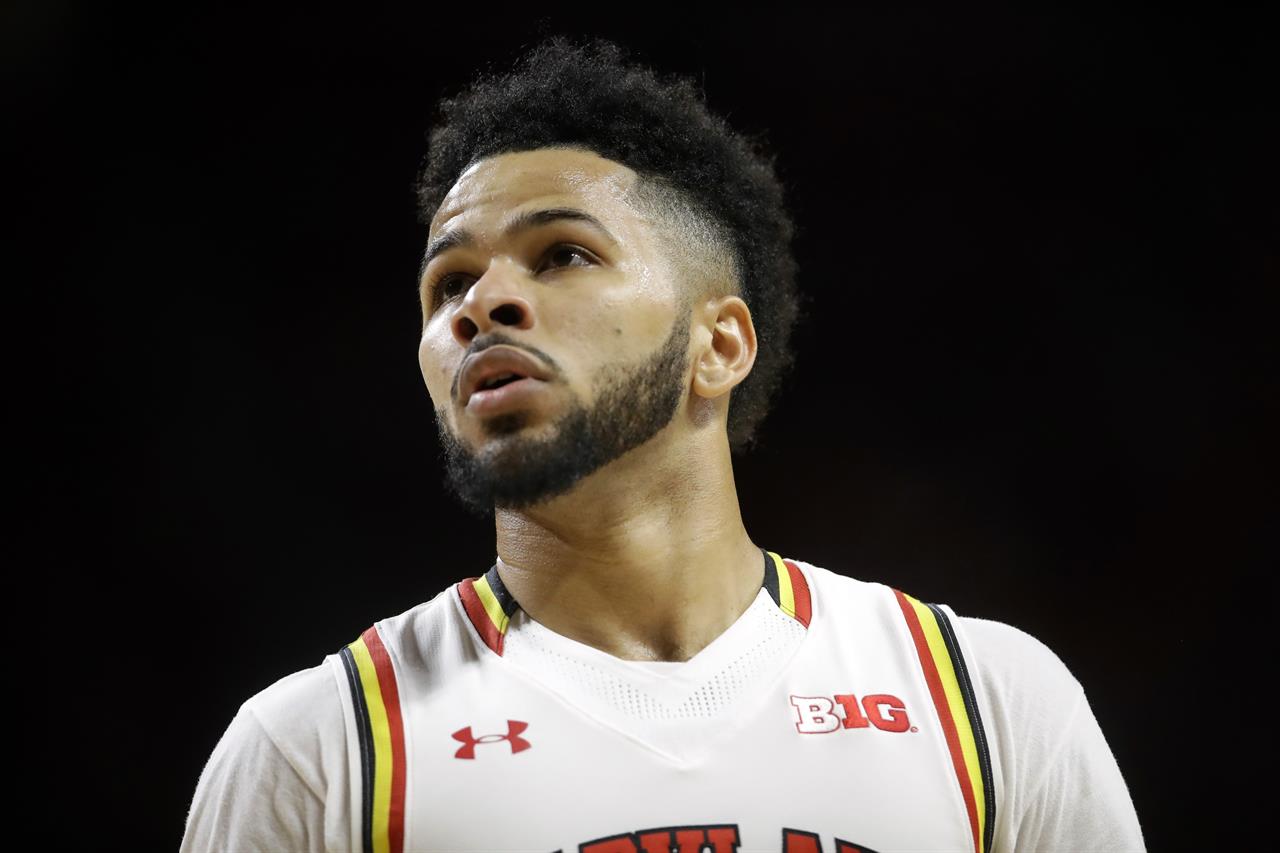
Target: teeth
x=493 y=380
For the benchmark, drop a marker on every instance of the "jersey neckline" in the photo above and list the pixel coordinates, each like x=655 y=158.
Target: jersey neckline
x=489 y=605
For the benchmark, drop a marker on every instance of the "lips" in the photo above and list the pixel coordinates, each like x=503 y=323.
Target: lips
x=494 y=362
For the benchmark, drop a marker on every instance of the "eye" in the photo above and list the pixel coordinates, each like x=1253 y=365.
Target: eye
x=562 y=249
x=448 y=286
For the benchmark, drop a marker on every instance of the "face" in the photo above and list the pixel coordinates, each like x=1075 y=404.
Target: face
x=585 y=306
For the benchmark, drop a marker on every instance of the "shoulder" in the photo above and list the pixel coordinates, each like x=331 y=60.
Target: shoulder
x=301 y=712
x=277 y=777
x=1014 y=666
x=422 y=640
x=1027 y=696
x=835 y=590
x=1057 y=780
x=1011 y=664
x=303 y=718
x=281 y=775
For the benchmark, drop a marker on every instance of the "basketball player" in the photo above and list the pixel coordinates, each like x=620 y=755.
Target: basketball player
x=607 y=298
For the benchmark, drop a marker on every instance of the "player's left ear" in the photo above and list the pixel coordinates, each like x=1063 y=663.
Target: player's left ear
x=728 y=358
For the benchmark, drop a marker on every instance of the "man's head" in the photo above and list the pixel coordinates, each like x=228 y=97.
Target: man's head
x=684 y=226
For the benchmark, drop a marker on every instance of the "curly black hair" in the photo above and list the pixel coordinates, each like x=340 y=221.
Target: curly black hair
x=692 y=167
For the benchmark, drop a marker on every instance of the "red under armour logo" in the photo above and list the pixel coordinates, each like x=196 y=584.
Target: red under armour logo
x=468 y=750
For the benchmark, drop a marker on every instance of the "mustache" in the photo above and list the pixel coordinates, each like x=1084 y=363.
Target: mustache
x=492 y=339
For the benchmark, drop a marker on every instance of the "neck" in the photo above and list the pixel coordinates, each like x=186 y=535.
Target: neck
x=642 y=560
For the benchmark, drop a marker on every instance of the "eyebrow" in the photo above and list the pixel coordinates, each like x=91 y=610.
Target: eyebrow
x=523 y=221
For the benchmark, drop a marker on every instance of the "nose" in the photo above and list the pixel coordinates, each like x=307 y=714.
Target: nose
x=494 y=300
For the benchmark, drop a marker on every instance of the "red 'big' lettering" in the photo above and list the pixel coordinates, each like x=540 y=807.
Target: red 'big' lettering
x=874 y=705
x=818 y=714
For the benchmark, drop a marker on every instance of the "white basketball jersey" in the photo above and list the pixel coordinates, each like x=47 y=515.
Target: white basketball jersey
x=833 y=715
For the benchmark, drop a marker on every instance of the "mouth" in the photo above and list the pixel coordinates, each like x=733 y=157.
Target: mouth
x=499 y=380
x=504 y=394
x=498 y=373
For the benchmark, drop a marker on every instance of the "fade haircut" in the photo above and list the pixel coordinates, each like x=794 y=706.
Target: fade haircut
x=715 y=188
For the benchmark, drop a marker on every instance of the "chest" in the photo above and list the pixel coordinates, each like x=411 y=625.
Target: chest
x=840 y=749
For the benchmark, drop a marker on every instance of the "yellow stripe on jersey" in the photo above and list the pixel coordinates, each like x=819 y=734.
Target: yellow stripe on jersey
x=381 y=745
x=491 y=606
x=786 y=594
x=955 y=709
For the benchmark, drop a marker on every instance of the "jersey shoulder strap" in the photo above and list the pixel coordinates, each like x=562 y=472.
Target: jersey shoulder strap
x=951 y=687
x=379 y=779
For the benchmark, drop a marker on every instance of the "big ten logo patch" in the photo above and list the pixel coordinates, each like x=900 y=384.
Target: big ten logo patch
x=817 y=715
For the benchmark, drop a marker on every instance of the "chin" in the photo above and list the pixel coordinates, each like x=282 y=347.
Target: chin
x=505 y=424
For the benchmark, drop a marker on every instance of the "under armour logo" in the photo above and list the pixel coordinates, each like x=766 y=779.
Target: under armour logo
x=468 y=750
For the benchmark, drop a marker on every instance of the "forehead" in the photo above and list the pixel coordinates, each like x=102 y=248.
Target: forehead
x=551 y=175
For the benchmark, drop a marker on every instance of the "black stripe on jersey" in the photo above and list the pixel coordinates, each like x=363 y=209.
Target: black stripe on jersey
x=975 y=720
x=365 y=729
x=505 y=599
x=771 y=578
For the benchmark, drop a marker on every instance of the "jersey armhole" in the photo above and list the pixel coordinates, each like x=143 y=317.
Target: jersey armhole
x=355 y=786
x=380 y=773
x=942 y=659
x=985 y=713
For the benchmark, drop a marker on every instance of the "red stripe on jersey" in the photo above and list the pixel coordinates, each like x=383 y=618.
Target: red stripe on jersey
x=945 y=713
x=800 y=593
x=390 y=701
x=479 y=616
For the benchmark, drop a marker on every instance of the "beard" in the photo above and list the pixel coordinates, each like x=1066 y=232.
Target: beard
x=632 y=404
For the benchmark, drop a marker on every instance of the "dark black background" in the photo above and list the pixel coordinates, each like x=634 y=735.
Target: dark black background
x=1036 y=386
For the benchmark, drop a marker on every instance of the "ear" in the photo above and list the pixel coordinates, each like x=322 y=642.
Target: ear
x=732 y=351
